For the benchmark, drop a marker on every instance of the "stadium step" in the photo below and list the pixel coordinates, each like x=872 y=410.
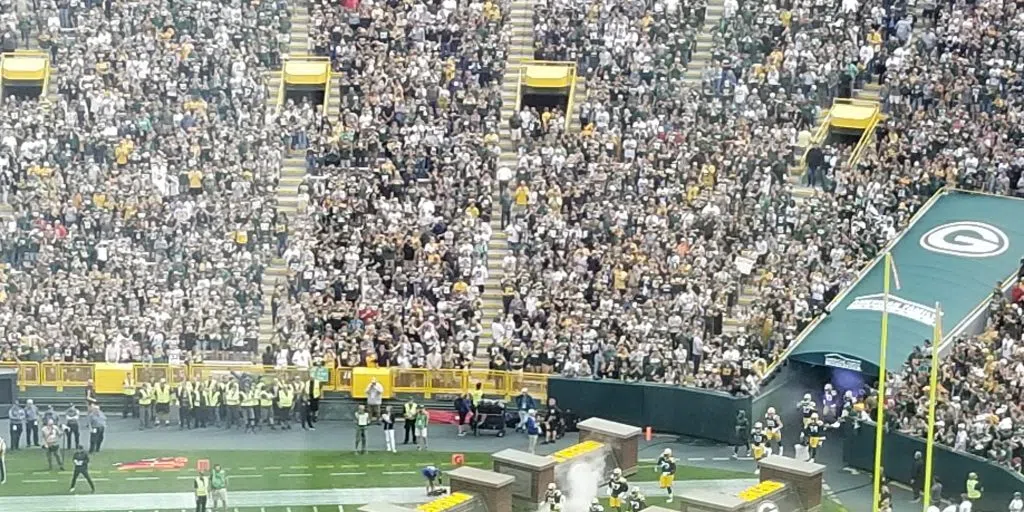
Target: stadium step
x=521 y=47
x=293 y=172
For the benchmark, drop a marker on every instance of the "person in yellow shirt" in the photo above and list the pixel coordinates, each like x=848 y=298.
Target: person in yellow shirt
x=195 y=182
x=522 y=195
x=619 y=279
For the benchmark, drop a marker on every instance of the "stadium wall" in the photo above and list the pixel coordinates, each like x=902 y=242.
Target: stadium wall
x=666 y=409
x=949 y=466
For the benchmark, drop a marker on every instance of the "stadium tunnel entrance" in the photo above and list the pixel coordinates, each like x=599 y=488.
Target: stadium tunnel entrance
x=547 y=85
x=24 y=74
x=306 y=78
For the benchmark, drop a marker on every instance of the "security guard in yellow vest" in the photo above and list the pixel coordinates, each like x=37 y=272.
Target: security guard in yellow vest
x=202 y=490
x=314 y=392
x=211 y=392
x=409 y=413
x=145 y=406
x=196 y=392
x=266 y=406
x=163 y=402
x=183 y=392
x=285 y=400
x=233 y=402
x=250 y=404
x=298 y=390
x=128 y=389
x=973 y=486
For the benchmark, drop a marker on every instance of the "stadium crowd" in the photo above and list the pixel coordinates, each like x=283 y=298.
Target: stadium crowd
x=153 y=171
x=981 y=382
x=389 y=266
x=143 y=187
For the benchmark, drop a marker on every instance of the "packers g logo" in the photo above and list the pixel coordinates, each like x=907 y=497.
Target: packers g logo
x=767 y=506
x=966 y=239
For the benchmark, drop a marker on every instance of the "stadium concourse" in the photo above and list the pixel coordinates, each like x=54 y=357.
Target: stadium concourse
x=277 y=472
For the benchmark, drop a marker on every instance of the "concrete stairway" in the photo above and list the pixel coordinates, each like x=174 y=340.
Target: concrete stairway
x=293 y=170
x=700 y=59
x=521 y=47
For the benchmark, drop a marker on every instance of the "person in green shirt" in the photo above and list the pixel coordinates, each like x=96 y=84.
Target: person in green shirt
x=219 y=488
x=421 y=428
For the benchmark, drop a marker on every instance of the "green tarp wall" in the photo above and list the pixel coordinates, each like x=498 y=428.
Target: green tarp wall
x=949 y=466
x=666 y=409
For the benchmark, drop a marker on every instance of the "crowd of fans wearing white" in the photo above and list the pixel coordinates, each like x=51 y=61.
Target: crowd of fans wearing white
x=142 y=190
x=624 y=231
x=388 y=263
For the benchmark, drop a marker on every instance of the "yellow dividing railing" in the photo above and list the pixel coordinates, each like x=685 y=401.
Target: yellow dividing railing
x=108 y=378
x=865 y=138
x=817 y=138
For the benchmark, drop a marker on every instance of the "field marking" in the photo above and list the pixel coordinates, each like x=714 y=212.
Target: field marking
x=40 y=481
x=347 y=474
x=232 y=477
x=294 y=475
x=399 y=472
x=101 y=479
x=248 y=468
x=271 y=467
x=185 y=478
x=720 y=458
x=400 y=465
x=349 y=466
x=325 y=466
x=375 y=465
x=141 y=478
x=695 y=459
x=298 y=467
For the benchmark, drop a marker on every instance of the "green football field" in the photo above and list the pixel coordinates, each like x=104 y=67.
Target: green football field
x=264 y=471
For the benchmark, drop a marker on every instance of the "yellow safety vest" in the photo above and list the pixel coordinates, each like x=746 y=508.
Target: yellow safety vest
x=316 y=389
x=410 y=410
x=972 y=490
x=266 y=399
x=478 y=395
x=248 y=399
x=129 y=388
x=146 y=397
x=285 y=398
x=163 y=394
x=231 y=397
x=201 y=486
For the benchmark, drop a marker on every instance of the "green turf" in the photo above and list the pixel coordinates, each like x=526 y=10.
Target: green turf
x=267 y=470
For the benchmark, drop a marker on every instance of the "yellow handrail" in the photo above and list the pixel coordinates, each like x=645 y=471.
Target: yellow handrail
x=869 y=133
x=109 y=378
x=817 y=138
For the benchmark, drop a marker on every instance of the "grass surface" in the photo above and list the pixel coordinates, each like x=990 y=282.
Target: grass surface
x=265 y=470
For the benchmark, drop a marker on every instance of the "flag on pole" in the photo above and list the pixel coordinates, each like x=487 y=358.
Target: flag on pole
x=895 y=275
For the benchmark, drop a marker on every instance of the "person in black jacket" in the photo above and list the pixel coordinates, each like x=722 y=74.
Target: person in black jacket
x=815 y=164
x=917 y=477
x=81 y=465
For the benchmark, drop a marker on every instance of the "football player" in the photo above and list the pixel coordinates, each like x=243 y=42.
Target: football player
x=814 y=434
x=773 y=430
x=618 y=489
x=666 y=472
x=553 y=498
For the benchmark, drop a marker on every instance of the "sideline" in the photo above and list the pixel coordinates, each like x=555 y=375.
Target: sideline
x=293 y=498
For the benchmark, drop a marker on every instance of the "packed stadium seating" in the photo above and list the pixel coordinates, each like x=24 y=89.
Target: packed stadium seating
x=437 y=226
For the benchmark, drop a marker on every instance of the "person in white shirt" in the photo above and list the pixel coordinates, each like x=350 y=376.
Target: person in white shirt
x=965 y=504
x=1017 y=503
